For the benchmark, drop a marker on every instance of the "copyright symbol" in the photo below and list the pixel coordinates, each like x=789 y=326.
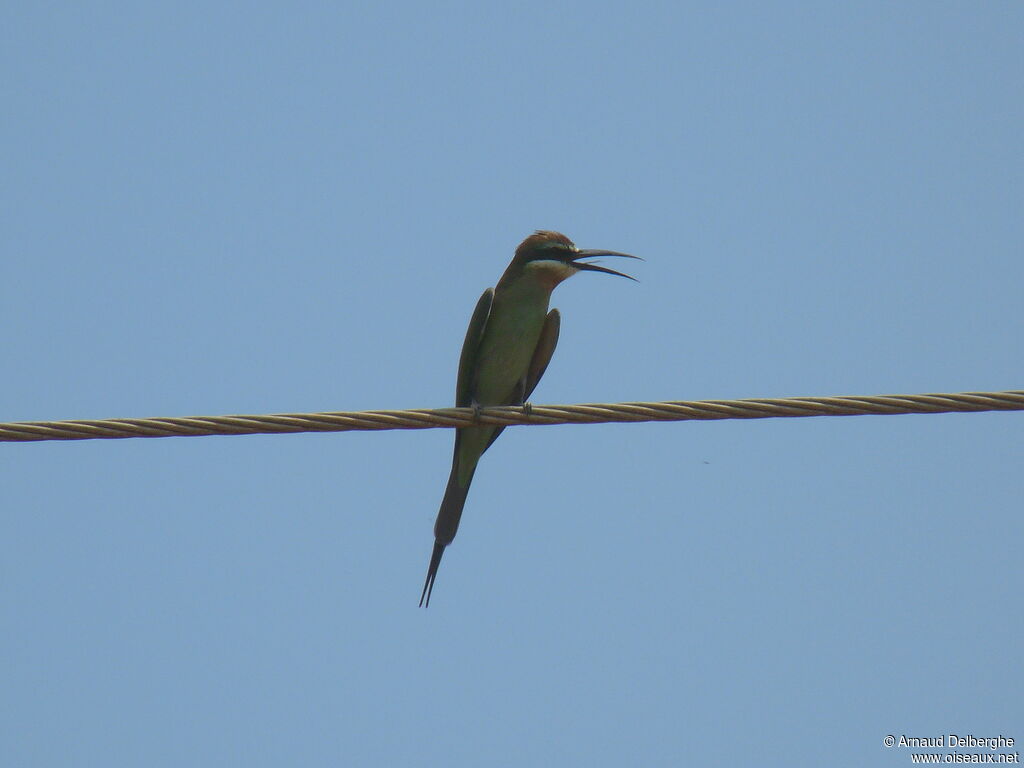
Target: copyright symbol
x=890 y=740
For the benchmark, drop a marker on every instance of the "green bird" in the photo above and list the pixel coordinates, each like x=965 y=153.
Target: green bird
x=508 y=346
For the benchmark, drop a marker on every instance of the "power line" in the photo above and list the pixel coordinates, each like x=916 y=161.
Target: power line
x=587 y=413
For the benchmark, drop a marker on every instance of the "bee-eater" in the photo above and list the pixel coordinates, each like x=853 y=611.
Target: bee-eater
x=508 y=346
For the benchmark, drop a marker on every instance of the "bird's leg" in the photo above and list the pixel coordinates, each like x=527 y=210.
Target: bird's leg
x=476 y=410
x=527 y=408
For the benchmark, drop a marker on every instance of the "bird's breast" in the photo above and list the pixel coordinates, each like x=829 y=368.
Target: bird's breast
x=510 y=339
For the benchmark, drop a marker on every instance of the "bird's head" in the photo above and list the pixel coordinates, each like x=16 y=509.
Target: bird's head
x=553 y=256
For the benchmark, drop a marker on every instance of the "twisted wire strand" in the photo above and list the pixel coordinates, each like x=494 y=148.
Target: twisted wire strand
x=586 y=413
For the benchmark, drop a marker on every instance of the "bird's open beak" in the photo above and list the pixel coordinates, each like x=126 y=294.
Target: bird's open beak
x=575 y=260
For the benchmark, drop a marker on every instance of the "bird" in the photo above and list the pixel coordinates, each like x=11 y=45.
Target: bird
x=509 y=343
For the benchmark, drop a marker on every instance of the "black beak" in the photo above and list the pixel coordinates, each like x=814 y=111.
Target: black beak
x=594 y=267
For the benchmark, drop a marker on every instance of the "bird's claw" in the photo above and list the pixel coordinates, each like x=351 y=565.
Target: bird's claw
x=476 y=411
x=527 y=409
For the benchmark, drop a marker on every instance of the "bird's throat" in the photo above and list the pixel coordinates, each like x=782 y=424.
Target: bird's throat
x=549 y=272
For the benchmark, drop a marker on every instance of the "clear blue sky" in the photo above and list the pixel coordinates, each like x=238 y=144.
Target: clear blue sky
x=214 y=208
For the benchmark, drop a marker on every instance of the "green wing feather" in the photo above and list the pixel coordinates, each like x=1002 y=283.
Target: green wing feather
x=470 y=350
x=542 y=354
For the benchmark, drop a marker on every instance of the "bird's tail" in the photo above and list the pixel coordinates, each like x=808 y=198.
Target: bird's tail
x=445 y=527
x=435 y=563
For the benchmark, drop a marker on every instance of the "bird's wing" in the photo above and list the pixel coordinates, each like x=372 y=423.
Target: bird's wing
x=538 y=364
x=542 y=354
x=470 y=349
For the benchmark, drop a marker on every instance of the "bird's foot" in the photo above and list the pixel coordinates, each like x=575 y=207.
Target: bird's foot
x=476 y=411
x=528 y=409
